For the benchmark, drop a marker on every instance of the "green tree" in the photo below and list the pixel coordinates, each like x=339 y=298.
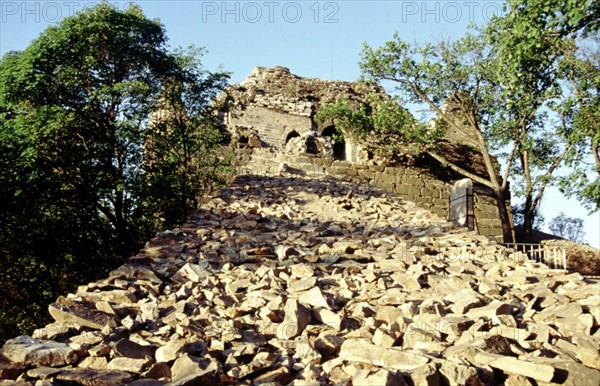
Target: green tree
x=458 y=72
x=551 y=94
x=523 y=90
x=74 y=124
x=180 y=164
x=570 y=228
x=579 y=110
x=518 y=212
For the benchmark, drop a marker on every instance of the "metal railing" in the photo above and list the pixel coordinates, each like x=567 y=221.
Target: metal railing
x=551 y=255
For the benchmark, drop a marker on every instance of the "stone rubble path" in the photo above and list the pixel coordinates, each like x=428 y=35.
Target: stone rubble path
x=285 y=280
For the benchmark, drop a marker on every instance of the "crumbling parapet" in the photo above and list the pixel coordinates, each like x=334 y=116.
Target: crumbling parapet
x=281 y=106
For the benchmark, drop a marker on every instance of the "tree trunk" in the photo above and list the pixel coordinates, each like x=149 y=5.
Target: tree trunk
x=528 y=217
x=596 y=156
x=507 y=231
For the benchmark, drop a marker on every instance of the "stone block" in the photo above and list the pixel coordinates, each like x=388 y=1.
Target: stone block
x=296 y=319
x=37 y=352
x=511 y=365
x=91 y=377
x=68 y=312
x=430 y=193
x=461 y=204
x=390 y=170
x=380 y=377
x=360 y=350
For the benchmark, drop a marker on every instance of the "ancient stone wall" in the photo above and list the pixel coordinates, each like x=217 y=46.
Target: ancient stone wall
x=409 y=182
x=278 y=105
x=273 y=126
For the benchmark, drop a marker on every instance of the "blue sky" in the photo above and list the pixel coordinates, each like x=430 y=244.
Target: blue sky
x=320 y=39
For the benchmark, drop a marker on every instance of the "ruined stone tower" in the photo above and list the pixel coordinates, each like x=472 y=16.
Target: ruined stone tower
x=273 y=128
x=275 y=105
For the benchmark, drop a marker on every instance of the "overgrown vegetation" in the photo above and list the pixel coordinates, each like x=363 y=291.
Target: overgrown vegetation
x=375 y=123
x=105 y=137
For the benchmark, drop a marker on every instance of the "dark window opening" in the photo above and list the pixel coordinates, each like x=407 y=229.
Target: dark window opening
x=311 y=146
x=339 y=150
x=291 y=135
x=339 y=146
x=329 y=131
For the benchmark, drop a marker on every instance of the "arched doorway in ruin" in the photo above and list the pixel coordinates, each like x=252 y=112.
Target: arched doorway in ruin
x=339 y=147
x=291 y=134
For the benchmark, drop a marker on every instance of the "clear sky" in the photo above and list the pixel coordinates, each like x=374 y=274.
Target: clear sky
x=320 y=39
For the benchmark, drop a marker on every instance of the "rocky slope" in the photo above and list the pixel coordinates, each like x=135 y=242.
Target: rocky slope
x=296 y=281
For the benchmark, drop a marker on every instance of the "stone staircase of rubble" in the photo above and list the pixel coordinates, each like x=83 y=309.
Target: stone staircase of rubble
x=285 y=280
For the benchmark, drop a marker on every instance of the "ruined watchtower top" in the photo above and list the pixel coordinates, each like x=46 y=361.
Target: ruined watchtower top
x=277 y=88
x=272 y=106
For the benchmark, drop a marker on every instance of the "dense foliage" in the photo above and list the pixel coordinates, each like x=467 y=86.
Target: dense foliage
x=374 y=123
x=548 y=72
x=105 y=137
